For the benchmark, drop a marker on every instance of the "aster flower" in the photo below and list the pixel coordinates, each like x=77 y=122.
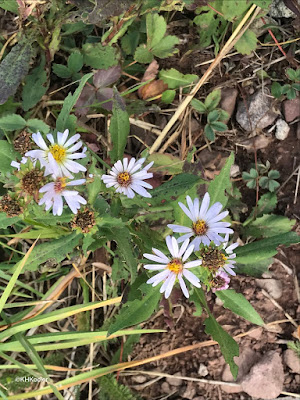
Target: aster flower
x=173 y=268
x=206 y=226
x=17 y=164
x=58 y=157
x=55 y=191
x=126 y=178
x=228 y=266
x=220 y=282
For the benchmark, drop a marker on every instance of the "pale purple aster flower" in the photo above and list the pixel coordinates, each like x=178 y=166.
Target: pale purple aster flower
x=206 y=223
x=228 y=266
x=220 y=281
x=173 y=268
x=126 y=178
x=55 y=191
x=57 y=158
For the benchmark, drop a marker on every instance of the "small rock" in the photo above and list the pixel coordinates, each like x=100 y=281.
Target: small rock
x=265 y=379
x=279 y=10
x=228 y=100
x=257 y=114
x=174 y=381
x=246 y=359
x=234 y=171
x=202 y=371
x=190 y=391
x=292 y=361
x=282 y=129
x=139 y=378
x=165 y=387
x=272 y=286
x=256 y=333
x=291 y=109
x=219 y=302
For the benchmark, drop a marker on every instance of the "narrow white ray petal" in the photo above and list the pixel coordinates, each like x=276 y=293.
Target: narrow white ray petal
x=119 y=166
x=175 y=247
x=204 y=206
x=229 y=270
x=76 y=182
x=191 y=206
x=192 y=264
x=63 y=137
x=50 y=138
x=130 y=192
x=140 y=190
x=186 y=211
x=154 y=267
x=180 y=229
x=72 y=140
x=169 y=244
x=73 y=166
x=47 y=187
x=231 y=247
x=196 y=243
x=161 y=255
x=74 y=148
x=184 y=237
x=196 y=208
x=218 y=217
x=213 y=211
x=188 y=252
x=183 y=286
x=183 y=247
x=152 y=257
x=205 y=240
x=191 y=278
x=38 y=139
x=57 y=205
x=35 y=154
x=156 y=279
x=125 y=163
x=170 y=285
x=131 y=164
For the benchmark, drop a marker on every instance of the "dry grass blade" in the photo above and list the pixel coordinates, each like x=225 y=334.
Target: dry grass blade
x=238 y=32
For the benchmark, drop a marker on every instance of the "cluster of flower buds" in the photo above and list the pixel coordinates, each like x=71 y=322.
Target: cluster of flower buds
x=211 y=248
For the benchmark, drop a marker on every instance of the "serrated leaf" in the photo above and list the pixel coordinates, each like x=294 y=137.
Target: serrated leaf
x=136 y=311
x=62 y=71
x=57 y=249
x=70 y=101
x=36 y=125
x=5 y=221
x=221 y=183
x=269 y=225
x=199 y=106
x=213 y=99
x=7 y=155
x=234 y=9
x=75 y=62
x=13 y=69
x=291 y=74
x=276 y=90
x=34 y=87
x=143 y=55
x=238 y=304
x=103 y=78
x=156 y=29
x=247 y=43
x=166 y=47
x=129 y=42
x=12 y=122
x=119 y=128
x=265 y=248
x=175 y=79
x=98 y=56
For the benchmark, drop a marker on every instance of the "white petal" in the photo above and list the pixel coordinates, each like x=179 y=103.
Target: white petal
x=188 y=252
x=191 y=206
x=38 y=139
x=213 y=211
x=186 y=211
x=180 y=229
x=156 y=279
x=62 y=137
x=204 y=206
x=184 y=237
x=140 y=190
x=161 y=255
x=218 y=217
x=191 y=278
x=74 y=148
x=175 y=247
x=35 y=154
x=57 y=205
x=183 y=247
x=72 y=140
x=73 y=166
x=76 y=182
x=196 y=208
x=152 y=257
x=183 y=286
x=193 y=264
x=153 y=267
x=231 y=248
x=170 y=285
x=50 y=138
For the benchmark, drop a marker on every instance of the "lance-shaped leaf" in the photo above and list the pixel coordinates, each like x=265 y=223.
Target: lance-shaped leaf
x=35 y=86
x=13 y=69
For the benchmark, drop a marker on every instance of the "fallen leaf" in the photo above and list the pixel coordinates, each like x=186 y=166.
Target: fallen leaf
x=152 y=89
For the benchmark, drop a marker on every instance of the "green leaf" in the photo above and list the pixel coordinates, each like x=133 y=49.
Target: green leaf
x=269 y=225
x=199 y=106
x=238 y=304
x=9 y=5
x=262 y=3
x=265 y=248
x=221 y=183
x=266 y=204
x=12 y=122
x=4 y=220
x=87 y=241
x=7 y=155
x=98 y=56
x=291 y=94
x=166 y=47
x=175 y=79
x=291 y=74
x=209 y=133
x=166 y=163
x=276 y=90
x=57 y=249
x=70 y=101
x=247 y=43
x=61 y=71
x=219 y=126
x=75 y=62
x=213 y=116
x=168 y=96
x=35 y=86
x=156 y=29
x=143 y=55
x=207 y=23
x=119 y=128
x=213 y=99
x=136 y=311
x=234 y=9
x=13 y=69
x=95 y=187
x=36 y=125
x=256 y=268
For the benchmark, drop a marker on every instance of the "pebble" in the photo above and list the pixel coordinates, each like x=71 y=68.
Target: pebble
x=175 y=381
x=265 y=379
x=282 y=129
x=292 y=361
x=234 y=171
x=228 y=100
x=279 y=10
x=291 y=109
x=272 y=286
x=165 y=387
x=202 y=371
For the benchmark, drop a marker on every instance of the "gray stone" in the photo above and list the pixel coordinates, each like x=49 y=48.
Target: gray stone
x=265 y=379
x=279 y=10
x=282 y=129
x=174 y=381
x=202 y=371
x=272 y=286
x=257 y=113
x=292 y=361
x=291 y=109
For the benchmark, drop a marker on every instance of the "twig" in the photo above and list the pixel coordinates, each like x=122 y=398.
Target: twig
x=279 y=307
x=297 y=186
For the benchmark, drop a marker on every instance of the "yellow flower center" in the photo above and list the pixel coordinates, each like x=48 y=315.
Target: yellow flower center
x=200 y=227
x=60 y=184
x=124 y=179
x=58 y=152
x=175 y=265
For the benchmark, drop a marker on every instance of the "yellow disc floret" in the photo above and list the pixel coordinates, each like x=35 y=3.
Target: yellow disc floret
x=58 y=152
x=124 y=179
x=200 y=227
x=175 y=265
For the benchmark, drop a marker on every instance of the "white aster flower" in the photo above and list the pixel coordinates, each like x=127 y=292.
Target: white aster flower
x=206 y=225
x=220 y=282
x=57 y=158
x=173 y=268
x=17 y=164
x=55 y=191
x=228 y=266
x=126 y=178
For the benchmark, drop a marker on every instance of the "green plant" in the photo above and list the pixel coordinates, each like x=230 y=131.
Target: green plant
x=72 y=69
x=289 y=89
x=215 y=116
x=265 y=182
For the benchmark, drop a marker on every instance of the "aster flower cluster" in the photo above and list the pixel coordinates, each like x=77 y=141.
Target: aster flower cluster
x=204 y=237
